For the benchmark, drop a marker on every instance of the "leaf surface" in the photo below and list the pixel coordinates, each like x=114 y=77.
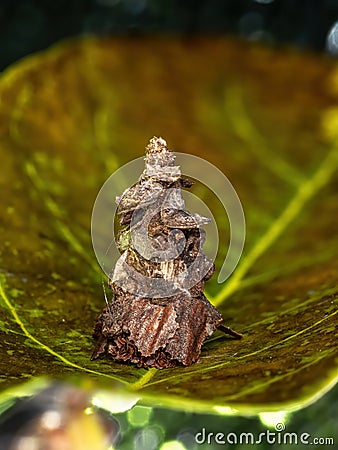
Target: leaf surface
x=72 y=115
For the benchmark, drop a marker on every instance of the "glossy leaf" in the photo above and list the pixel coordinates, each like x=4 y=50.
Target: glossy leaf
x=72 y=115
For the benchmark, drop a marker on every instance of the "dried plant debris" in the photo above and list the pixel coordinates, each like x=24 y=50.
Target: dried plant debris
x=158 y=316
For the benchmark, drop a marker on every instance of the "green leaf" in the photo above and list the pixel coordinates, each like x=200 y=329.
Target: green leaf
x=72 y=115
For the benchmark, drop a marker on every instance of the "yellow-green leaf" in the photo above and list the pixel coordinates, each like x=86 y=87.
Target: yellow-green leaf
x=72 y=115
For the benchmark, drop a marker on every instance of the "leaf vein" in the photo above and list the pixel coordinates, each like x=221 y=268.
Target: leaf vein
x=304 y=194
x=248 y=132
x=43 y=346
x=54 y=209
x=247 y=355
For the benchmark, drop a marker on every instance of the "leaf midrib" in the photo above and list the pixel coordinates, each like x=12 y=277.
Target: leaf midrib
x=303 y=195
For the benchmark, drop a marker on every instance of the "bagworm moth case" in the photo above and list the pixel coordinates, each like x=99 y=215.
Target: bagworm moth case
x=169 y=328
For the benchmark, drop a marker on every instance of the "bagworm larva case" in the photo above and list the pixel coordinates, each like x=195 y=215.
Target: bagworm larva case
x=158 y=316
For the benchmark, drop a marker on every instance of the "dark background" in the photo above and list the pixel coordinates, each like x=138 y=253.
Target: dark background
x=30 y=25
x=27 y=26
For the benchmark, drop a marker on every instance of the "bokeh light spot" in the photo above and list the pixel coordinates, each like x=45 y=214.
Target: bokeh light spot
x=147 y=439
x=332 y=39
x=264 y=2
x=250 y=23
x=51 y=420
x=139 y=416
x=173 y=445
x=270 y=419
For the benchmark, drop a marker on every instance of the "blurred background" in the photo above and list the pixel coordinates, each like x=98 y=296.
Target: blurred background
x=27 y=26
x=31 y=25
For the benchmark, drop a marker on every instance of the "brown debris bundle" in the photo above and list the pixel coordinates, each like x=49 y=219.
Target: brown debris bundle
x=159 y=316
